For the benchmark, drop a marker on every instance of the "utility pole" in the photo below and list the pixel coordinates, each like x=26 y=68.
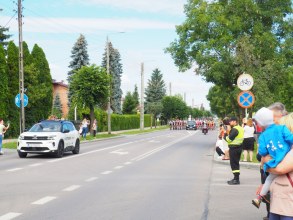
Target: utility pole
x=142 y=99
x=170 y=89
x=109 y=98
x=21 y=77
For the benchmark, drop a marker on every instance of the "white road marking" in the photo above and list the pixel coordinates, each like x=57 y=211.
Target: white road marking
x=15 y=169
x=106 y=172
x=35 y=164
x=71 y=188
x=90 y=152
x=44 y=200
x=119 y=152
x=91 y=179
x=147 y=154
x=9 y=216
x=128 y=163
x=118 y=167
x=153 y=141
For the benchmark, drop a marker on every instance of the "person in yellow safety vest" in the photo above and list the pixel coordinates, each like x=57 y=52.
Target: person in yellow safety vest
x=234 y=140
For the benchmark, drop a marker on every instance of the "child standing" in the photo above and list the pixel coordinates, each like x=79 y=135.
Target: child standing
x=276 y=140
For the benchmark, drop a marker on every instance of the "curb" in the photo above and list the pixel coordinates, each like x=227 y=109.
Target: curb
x=247 y=165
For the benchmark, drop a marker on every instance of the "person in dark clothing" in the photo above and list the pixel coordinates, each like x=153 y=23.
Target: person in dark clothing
x=234 y=138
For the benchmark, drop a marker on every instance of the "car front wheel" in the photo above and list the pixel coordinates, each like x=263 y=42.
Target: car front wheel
x=76 y=147
x=21 y=154
x=60 y=150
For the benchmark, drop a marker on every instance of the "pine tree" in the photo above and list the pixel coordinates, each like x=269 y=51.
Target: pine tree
x=44 y=81
x=57 y=106
x=79 y=55
x=3 y=36
x=135 y=95
x=156 y=89
x=129 y=104
x=115 y=70
x=3 y=84
x=13 y=89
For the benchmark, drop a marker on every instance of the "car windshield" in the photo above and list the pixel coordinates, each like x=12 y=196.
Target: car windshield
x=191 y=122
x=46 y=126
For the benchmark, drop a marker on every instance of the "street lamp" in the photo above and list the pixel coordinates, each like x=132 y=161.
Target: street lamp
x=109 y=111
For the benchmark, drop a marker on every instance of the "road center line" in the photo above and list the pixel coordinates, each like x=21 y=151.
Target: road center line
x=159 y=148
x=118 y=167
x=71 y=188
x=44 y=200
x=35 y=165
x=9 y=216
x=90 y=152
x=106 y=172
x=14 y=169
x=91 y=179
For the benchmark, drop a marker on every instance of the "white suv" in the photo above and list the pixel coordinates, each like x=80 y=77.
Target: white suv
x=49 y=136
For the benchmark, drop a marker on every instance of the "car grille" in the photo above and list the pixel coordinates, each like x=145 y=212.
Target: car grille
x=35 y=138
x=34 y=148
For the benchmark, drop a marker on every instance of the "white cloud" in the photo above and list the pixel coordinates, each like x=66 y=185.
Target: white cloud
x=88 y=25
x=153 y=6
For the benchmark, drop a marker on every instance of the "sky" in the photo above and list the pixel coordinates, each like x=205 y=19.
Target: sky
x=139 y=29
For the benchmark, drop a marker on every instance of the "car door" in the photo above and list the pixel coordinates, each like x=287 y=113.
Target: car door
x=66 y=135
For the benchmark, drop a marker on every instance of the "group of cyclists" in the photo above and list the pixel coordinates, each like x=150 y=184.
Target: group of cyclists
x=200 y=123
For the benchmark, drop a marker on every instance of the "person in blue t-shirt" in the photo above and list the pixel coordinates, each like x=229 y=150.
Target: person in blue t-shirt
x=276 y=140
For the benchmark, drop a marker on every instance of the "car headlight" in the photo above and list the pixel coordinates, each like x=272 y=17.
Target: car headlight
x=21 y=137
x=51 y=137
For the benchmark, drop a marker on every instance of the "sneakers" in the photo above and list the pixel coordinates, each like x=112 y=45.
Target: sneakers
x=1 y=152
x=233 y=182
x=256 y=203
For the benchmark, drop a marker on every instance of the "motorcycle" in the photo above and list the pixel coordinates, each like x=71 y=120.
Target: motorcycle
x=204 y=131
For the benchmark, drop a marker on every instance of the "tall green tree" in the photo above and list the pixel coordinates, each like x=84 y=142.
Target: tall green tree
x=13 y=89
x=136 y=95
x=79 y=56
x=129 y=104
x=156 y=88
x=115 y=70
x=174 y=107
x=90 y=86
x=44 y=77
x=57 y=106
x=3 y=36
x=223 y=39
x=3 y=84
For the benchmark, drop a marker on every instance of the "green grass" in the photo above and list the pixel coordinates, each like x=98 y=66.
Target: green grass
x=10 y=145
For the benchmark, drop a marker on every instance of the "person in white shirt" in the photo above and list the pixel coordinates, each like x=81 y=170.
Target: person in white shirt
x=248 y=142
x=3 y=129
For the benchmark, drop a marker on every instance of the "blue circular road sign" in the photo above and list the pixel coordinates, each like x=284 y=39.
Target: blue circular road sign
x=246 y=99
x=18 y=100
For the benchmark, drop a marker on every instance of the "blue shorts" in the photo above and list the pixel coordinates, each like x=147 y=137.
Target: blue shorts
x=279 y=217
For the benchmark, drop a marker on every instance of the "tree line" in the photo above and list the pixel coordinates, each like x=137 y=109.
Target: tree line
x=222 y=39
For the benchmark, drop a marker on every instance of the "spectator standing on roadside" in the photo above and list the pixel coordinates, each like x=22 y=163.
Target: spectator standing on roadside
x=3 y=129
x=234 y=140
x=85 y=124
x=94 y=127
x=248 y=142
x=276 y=141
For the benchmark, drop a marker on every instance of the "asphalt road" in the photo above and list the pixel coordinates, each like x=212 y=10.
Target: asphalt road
x=166 y=175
